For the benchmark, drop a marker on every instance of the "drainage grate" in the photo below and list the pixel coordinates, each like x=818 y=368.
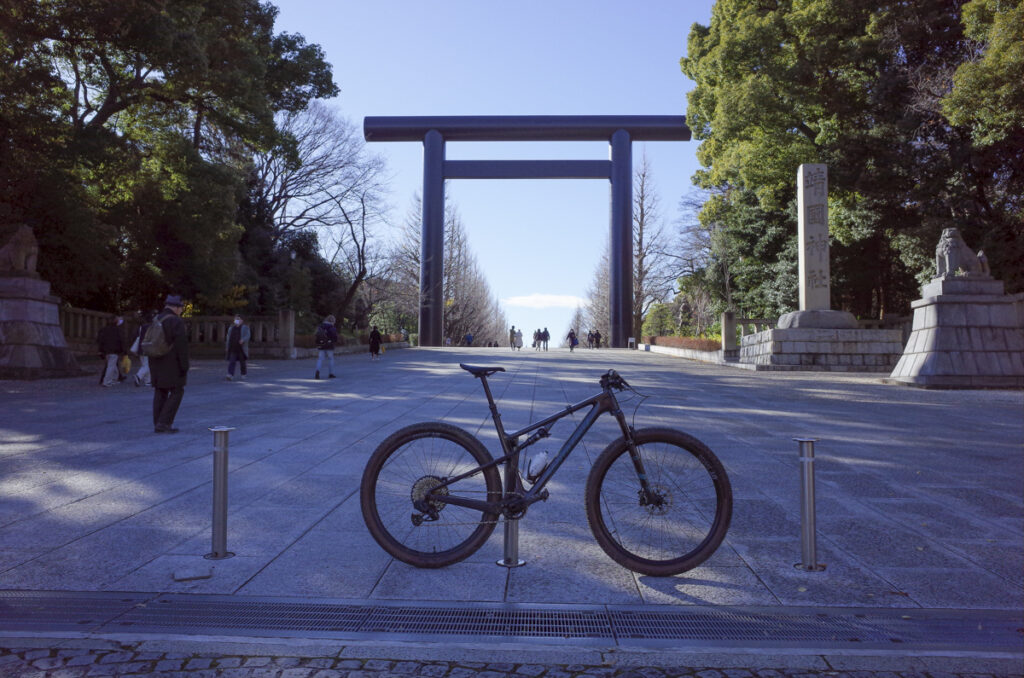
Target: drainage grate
x=811 y=628
x=518 y=623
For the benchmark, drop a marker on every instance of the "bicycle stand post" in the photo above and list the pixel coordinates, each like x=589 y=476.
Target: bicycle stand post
x=808 y=531
x=511 y=558
x=219 y=538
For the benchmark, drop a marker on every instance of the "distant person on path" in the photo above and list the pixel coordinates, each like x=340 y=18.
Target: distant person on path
x=572 y=340
x=405 y=334
x=170 y=371
x=590 y=339
x=469 y=338
x=236 y=345
x=536 y=340
x=375 y=341
x=545 y=337
x=512 y=337
x=597 y=338
x=519 y=340
x=143 y=376
x=326 y=338
x=111 y=348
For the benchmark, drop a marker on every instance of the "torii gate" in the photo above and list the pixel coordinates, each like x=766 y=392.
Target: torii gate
x=620 y=131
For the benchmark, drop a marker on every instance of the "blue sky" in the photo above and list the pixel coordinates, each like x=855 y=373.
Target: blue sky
x=538 y=242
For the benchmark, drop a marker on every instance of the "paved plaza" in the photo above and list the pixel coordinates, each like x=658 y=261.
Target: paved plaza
x=920 y=493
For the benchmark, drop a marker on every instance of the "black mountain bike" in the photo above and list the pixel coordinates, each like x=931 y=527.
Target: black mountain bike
x=658 y=500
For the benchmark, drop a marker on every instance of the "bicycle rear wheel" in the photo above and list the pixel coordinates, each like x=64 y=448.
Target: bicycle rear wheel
x=681 y=524
x=403 y=469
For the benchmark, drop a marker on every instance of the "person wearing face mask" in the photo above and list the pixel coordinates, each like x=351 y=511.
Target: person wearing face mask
x=236 y=344
x=111 y=347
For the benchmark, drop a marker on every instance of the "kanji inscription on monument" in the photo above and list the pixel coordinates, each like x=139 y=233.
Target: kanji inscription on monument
x=812 y=225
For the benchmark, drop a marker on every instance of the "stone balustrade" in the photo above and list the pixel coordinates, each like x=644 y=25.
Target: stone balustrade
x=273 y=336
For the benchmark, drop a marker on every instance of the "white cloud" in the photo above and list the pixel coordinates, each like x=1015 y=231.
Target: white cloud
x=545 y=301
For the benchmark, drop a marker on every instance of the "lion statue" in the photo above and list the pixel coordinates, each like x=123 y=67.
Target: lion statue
x=21 y=252
x=954 y=257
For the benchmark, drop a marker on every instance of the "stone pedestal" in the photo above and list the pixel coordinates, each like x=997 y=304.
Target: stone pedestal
x=822 y=350
x=32 y=344
x=966 y=334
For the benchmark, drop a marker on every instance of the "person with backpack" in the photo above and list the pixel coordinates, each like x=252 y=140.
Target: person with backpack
x=572 y=339
x=545 y=337
x=326 y=337
x=236 y=346
x=166 y=344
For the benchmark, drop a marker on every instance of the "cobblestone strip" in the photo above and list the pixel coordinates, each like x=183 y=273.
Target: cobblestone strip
x=84 y=663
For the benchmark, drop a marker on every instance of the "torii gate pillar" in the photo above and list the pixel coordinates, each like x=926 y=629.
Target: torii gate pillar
x=619 y=131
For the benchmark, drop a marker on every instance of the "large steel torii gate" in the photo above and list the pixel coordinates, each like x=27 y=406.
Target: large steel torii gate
x=620 y=131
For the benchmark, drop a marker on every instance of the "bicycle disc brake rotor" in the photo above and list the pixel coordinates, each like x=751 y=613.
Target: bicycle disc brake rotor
x=424 y=486
x=661 y=500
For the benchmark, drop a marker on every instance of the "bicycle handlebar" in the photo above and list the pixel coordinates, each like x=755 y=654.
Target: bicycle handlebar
x=613 y=379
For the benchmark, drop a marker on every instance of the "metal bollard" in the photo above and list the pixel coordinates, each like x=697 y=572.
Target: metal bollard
x=220 y=494
x=511 y=558
x=808 y=531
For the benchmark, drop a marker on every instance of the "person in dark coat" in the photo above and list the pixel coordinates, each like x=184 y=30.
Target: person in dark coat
x=375 y=341
x=111 y=347
x=170 y=371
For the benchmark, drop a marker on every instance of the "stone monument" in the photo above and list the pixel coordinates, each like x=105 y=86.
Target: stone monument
x=967 y=333
x=817 y=337
x=815 y=276
x=32 y=345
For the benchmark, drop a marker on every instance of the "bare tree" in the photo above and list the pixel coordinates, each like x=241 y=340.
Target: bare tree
x=596 y=314
x=469 y=306
x=322 y=179
x=652 y=276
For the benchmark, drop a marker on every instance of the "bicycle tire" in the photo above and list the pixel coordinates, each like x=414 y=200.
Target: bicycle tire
x=683 y=530
x=405 y=464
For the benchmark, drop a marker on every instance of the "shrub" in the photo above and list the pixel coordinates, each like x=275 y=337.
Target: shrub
x=694 y=343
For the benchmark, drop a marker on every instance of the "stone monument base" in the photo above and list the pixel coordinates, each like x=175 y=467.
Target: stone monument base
x=966 y=334
x=32 y=345
x=820 y=319
x=822 y=350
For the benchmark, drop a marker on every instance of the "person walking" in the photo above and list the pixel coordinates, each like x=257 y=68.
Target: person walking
x=143 y=376
x=111 y=348
x=545 y=336
x=519 y=340
x=572 y=339
x=236 y=346
x=326 y=337
x=375 y=341
x=512 y=337
x=597 y=338
x=170 y=370
x=590 y=339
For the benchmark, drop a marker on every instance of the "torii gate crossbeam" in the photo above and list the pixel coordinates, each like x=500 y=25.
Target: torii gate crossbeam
x=618 y=131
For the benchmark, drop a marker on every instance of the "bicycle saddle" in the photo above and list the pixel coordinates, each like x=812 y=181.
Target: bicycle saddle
x=478 y=371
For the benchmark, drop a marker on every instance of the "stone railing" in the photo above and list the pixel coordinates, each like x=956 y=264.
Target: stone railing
x=730 y=323
x=80 y=327
x=273 y=336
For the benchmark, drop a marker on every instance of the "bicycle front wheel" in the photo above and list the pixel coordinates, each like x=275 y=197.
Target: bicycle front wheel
x=679 y=523
x=409 y=464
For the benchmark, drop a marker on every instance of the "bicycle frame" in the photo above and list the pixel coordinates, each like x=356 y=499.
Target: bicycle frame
x=513 y=500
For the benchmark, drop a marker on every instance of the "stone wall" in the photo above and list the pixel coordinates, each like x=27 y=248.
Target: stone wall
x=823 y=350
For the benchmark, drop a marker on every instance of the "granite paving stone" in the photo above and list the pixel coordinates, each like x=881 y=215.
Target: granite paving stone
x=919 y=492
